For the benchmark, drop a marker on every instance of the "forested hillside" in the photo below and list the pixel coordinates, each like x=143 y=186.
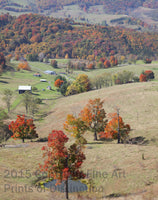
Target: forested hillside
x=32 y=33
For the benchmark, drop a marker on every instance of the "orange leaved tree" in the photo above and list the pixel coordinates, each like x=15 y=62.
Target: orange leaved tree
x=111 y=129
x=23 y=128
x=58 y=83
x=24 y=66
x=142 y=78
x=62 y=162
x=93 y=114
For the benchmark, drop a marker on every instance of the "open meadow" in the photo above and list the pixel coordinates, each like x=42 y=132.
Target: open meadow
x=125 y=171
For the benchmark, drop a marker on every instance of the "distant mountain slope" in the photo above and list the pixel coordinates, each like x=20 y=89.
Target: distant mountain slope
x=111 y=6
x=30 y=33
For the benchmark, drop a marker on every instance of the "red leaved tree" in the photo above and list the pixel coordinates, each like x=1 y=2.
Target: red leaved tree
x=23 y=128
x=142 y=78
x=107 y=64
x=111 y=129
x=94 y=116
x=61 y=162
x=58 y=83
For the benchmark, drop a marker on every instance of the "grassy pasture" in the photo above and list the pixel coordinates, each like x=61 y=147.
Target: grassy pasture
x=136 y=69
x=138 y=107
x=115 y=169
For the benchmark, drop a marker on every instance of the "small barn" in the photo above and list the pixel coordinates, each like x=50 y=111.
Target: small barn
x=23 y=88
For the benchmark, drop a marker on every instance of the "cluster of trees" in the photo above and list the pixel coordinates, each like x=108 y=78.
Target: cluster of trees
x=93 y=118
x=63 y=162
x=83 y=84
x=36 y=34
x=61 y=83
x=109 y=79
x=79 y=85
x=105 y=63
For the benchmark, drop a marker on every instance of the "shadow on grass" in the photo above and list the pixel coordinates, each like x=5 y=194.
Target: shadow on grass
x=3 y=82
x=42 y=116
x=35 y=94
x=138 y=140
x=44 y=139
x=115 y=195
x=95 y=142
x=3 y=77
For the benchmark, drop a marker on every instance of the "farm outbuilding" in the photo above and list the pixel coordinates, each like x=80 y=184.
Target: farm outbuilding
x=49 y=88
x=23 y=88
x=37 y=75
x=43 y=80
x=50 y=72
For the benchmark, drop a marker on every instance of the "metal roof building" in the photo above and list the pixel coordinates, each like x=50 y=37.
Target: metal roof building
x=23 y=88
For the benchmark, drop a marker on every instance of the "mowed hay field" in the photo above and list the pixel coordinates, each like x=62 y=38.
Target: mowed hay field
x=116 y=169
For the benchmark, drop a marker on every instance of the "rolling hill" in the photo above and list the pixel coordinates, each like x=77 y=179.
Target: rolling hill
x=139 y=180
x=85 y=10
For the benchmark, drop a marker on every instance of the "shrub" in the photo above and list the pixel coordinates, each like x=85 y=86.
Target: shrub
x=34 y=89
x=38 y=101
x=147 y=61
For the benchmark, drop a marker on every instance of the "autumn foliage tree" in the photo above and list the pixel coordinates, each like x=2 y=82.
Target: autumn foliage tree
x=77 y=127
x=111 y=129
x=81 y=84
x=62 y=162
x=142 y=78
x=93 y=114
x=23 y=128
x=58 y=83
x=107 y=64
x=91 y=66
x=113 y=61
x=24 y=66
